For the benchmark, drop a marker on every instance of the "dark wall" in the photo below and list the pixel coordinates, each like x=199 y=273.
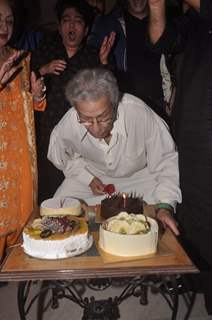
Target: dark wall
x=47 y=9
x=37 y=12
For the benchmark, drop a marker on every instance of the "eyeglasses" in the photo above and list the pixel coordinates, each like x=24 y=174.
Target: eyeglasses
x=91 y=121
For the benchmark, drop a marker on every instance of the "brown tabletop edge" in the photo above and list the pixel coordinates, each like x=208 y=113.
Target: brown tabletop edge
x=95 y=273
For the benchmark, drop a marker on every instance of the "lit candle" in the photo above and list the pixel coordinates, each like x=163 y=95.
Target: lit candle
x=124 y=200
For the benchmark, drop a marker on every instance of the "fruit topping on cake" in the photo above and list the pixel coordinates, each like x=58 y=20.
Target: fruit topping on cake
x=50 y=226
x=125 y=223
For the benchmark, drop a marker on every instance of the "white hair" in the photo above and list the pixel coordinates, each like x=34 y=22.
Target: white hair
x=91 y=85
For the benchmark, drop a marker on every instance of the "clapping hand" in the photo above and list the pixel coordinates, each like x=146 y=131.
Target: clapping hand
x=106 y=47
x=54 y=67
x=8 y=68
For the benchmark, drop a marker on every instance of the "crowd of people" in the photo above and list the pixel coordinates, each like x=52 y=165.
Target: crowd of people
x=88 y=107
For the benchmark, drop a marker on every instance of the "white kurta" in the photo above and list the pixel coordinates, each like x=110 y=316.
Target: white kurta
x=141 y=156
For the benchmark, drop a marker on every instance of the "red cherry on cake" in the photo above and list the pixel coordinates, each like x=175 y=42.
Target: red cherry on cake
x=109 y=188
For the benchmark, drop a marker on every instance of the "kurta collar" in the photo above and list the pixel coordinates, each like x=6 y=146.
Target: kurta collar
x=119 y=124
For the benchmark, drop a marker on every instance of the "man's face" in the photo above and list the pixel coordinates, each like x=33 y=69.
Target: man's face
x=96 y=116
x=137 y=6
x=72 y=28
x=6 y=24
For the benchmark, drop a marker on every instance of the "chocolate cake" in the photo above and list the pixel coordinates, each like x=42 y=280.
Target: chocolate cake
x=114 y=204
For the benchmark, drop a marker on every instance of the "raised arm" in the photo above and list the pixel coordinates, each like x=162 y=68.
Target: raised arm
x=194 y=4
x=169 y=37
x=157 y=19
x=157 y=15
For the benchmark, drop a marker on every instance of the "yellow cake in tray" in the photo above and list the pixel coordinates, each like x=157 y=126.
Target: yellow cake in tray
x=129 y=235
x=60 y=207
x=56 y=237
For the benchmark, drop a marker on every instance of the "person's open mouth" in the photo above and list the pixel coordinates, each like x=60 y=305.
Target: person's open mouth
x=71 y=35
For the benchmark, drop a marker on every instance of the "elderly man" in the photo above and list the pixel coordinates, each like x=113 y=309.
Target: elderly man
x=106 y=138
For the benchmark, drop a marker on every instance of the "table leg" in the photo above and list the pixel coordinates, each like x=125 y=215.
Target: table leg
x=174 y=297
x=107 y=309
x=23 y=291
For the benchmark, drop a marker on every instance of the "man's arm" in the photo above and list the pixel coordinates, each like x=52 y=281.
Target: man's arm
x=194 y=4
x=72 y=164
x=162 y=160
x=165 y=36
x=173 y=36
x=67 y=160
x=42 y=59
x=157 y=19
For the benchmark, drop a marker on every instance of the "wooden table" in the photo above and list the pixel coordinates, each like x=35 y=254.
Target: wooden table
x=20 y=267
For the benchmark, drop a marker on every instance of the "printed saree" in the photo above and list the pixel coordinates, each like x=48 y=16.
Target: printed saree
x=18 y=169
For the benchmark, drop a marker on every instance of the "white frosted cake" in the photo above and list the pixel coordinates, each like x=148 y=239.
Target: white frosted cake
x=129 y=235
x=56 y=237
x=60 y=207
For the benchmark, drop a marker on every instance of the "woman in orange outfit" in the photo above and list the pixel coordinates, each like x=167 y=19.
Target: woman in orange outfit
x=18 y=97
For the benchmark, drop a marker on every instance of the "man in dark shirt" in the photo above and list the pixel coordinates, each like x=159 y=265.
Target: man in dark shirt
x=191 y=36
x=143 y=66
x=138 y=69
x=57 y=59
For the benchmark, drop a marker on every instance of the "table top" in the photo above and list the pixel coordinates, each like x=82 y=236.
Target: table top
x=18 y=266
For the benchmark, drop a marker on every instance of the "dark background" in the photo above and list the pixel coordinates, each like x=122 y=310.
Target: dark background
x=41 y=12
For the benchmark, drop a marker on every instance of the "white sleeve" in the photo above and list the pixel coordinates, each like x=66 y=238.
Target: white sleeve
x=71 y=163
x=162 y=159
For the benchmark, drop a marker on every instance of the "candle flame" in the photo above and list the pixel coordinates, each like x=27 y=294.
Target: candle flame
x=124 y=200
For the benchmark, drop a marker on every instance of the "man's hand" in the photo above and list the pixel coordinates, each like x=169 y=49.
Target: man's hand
x=97 y=187
x=106 y=47
x=167 y=220
x=54 y=67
